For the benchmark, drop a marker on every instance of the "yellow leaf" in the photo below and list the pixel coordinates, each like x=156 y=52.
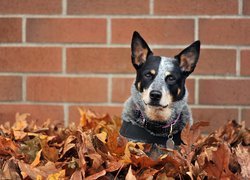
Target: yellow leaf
x=39 y=177
x=57 y=176
x=102 y=136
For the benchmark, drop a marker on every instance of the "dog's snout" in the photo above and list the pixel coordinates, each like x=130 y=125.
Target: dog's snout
x=155 y=95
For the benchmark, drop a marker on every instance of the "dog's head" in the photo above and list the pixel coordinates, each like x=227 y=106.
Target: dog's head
x=160 y=81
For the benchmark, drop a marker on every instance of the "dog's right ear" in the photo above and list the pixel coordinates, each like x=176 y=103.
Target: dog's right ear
x=139 y=50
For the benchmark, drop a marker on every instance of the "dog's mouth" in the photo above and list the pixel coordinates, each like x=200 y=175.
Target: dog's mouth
x=156 y=105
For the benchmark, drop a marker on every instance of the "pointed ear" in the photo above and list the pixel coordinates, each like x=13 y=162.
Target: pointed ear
x=139 y=50
x=188 y=58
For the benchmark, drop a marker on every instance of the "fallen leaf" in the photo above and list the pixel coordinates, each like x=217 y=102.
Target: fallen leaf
x=243 y=156
x=57 y=176
x=37 y=159
x=130 y=175
x=96 y=175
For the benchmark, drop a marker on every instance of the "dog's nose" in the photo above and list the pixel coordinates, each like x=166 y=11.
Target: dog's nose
x=155 y=95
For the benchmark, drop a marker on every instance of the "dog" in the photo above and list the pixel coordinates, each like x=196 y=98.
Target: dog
x=157 y=110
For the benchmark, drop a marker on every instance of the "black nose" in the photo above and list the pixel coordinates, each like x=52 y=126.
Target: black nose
x=155 y=95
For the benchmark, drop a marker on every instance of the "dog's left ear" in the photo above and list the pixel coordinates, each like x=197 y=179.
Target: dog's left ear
x=188 y=58
x=139 y=50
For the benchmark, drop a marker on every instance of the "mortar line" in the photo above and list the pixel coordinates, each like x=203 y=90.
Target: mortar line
x=238 y=61
x=153 y=46
x=110 y=83
x=196 y=29
x=239 y=114
x=109 y=31
x=240 y=8
x=196 y=91
x=64 y=60
x=143 y=16
x=151 y=7
x=64 y=7
x=117 y=75
x=24 y=20
x=24 y=88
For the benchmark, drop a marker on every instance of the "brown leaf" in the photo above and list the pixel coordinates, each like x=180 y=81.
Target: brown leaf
x=21 y=122
x=148 y=174
x=8 y=147
x=50 y=153
x=243 y=156
x=96 y=175
x=10 y=170
x=113 y=166
x=69 y=144
x=43 y=171
x=78 y=175
x=218 y=166
x=189 y=135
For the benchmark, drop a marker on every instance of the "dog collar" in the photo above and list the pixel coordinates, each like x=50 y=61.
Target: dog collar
x=135 y=132
x=157 y=128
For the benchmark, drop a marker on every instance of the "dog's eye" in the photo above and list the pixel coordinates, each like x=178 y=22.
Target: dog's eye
x=148 y=75
x=170 y=79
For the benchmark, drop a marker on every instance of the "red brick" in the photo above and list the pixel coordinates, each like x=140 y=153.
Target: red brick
x=246 y=117
x=99 y=60
x=108 y=7
x=64 y=89
x=245 y=63
x=196 y=7
x=246 y=7
x=166 y=52
x=10 y=30
x=74 y=115
x=191 y=90
x=211 y=61
x=225 y=31
x=154 y=31
x=216 y=62
x=224 y=92
x=10 y=88
x=30 y=7
x=39 y=113
x=30 y=59
x=66 y=30
x=216 y=117
x=121 y=89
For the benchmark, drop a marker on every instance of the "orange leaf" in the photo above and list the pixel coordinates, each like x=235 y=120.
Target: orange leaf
x=37 y=159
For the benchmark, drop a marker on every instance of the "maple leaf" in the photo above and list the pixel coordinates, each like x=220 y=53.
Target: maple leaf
x=218 y=164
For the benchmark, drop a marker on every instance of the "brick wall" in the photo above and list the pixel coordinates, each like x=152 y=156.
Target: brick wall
x=56 y=55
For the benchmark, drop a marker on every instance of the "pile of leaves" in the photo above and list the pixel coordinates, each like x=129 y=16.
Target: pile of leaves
x=95 y=150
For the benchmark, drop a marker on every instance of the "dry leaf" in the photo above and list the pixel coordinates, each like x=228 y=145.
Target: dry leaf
x=130 y=175
x=95 y=150
x=243 y=156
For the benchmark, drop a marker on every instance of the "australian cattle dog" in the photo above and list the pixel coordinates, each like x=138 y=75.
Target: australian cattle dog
x=157 y=110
